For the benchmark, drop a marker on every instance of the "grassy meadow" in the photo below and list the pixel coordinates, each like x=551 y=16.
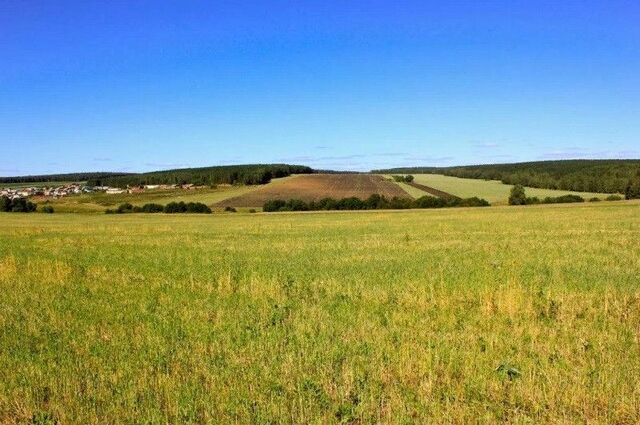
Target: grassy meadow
x=518 y=314
x=494 y=191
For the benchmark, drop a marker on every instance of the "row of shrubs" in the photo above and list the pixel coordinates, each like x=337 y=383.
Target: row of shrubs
x=519 y=197
x=374 y=202
x=21 y=205
x=170 y=208
x=403 y=179
x=16 y=205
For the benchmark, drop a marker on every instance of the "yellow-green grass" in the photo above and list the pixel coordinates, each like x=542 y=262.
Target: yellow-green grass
x=504 y=314
x=100 y=201
x=412 y=191
x=494 y=191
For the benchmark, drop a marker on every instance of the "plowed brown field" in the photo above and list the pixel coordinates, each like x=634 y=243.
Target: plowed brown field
x=432 y=191
x=313 y=187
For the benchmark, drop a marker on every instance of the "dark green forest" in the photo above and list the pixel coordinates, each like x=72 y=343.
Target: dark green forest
x=228 y=174
x=69 y=177
x=604 y=176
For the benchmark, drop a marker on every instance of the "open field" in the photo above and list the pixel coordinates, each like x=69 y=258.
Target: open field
x=313 y=187
x=493 y=191
x=518 y=314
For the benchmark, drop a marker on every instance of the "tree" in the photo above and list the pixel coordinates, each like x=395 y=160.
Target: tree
x=124 y=208
x=22 y=205
x=152 y=208
x=5 y=204
x=517 y=197
x=633 y=187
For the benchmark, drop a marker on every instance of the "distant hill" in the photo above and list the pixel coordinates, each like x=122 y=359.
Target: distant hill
x=601 y=175
x=68 y=177
x=226 y=174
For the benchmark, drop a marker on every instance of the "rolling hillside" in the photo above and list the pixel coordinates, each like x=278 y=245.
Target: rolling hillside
x=494 y=191
x=601 y=176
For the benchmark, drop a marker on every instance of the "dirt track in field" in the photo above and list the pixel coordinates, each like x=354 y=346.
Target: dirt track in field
x=432 y=191
x=313 y=187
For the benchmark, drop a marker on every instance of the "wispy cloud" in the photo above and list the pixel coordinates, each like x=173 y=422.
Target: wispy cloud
x=102 y=159
x=486 y=145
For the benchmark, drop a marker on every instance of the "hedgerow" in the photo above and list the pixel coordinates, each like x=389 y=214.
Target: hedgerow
x=16 y=205
x=170 y=208
x=373 y=202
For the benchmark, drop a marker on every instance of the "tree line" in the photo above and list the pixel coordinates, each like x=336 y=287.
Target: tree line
x=17 y=205
x=373 y=202
x=602 y=176
x=232 y=174
x=170 y=208
x=69 y=177
x=518 y=196
x=403 y=179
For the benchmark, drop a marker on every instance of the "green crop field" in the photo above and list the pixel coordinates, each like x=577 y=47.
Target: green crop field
x=493 y=191
x=514 y=314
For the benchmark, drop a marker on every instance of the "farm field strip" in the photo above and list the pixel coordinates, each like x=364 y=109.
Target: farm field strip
x=313 y=187
x=431 y=190
x=494 y=191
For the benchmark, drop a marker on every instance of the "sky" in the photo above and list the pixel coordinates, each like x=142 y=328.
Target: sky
x=358 y=85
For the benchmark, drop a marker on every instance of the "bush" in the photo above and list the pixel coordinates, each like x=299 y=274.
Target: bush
x=324 y=204
x=613 y=198
x=152 y=208
x=273 y=205
x=633 y=188
x=374 y=202
x=5 y=204
x=430 y=202
x=403 y=179
x=295 y=205
x=17 y=205
x=252 y=211
x=534 y=200
x=231 y=209
x=566 y=199
x=474 y=202
x=47 y=209
x=109 y=211
x=197 y=208
x=351 y=203
x=175 y=207
x=595 y=199
x=124 y=208
x=517 y=197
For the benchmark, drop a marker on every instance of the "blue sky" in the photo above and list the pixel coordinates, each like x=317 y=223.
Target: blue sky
x=145 y=85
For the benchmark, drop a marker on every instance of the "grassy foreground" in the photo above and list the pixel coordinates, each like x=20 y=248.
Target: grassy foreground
x=523 y=314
